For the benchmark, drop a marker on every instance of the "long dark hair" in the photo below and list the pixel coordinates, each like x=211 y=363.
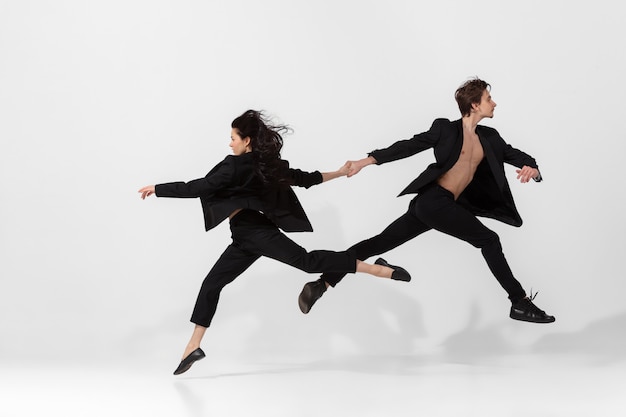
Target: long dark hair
x=266 y=142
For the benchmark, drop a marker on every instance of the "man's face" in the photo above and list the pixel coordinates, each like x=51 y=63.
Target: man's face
x=486 y=106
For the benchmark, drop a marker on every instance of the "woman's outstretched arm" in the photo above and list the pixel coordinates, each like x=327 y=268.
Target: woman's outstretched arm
x=306 y=179
x=341 y=172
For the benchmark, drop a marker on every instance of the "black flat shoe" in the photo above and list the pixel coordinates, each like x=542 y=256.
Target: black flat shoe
x=399 y=273
x=311 y=292
x=186 y=363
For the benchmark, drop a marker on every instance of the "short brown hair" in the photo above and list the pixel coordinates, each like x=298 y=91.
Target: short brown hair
x=469 y=93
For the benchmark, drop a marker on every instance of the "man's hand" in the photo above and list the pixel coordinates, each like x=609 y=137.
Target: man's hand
x=345 y=169
x=527 y=173
x=146 y=191
x=356 y=166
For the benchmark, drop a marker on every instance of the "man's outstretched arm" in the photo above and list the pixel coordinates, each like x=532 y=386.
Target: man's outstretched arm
x=356 y=166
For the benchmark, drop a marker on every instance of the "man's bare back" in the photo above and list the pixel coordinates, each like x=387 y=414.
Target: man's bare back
x=462 y=172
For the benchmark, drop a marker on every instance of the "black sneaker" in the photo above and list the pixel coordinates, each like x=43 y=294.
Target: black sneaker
x=311 y=292
x=399 y=273
x=525 y=310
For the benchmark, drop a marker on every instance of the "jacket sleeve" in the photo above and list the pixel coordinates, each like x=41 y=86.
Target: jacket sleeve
x=304 y=179
x=409 y=147
x=518 y=158
x=515 y=157
x=219 y=177
x=299 y=178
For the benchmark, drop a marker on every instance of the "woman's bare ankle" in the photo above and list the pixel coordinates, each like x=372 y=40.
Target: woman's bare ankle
x=190 y=348
x=387 y=272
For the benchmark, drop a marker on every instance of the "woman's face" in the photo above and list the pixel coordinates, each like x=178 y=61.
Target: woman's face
x=239 y=145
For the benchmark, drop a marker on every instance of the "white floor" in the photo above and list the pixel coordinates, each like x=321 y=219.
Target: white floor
x=518 y=385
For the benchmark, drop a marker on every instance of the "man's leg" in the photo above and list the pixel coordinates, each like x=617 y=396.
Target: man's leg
x=437 y=208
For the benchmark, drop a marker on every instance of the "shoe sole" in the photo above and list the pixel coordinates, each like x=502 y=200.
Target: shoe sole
x=531 y=320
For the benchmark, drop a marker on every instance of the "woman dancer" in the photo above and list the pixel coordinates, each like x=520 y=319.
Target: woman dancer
x=252 y=188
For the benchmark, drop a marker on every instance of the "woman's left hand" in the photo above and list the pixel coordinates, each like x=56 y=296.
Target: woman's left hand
x=146 y=191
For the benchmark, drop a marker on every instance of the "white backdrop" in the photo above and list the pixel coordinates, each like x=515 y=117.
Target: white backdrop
x=100 y=98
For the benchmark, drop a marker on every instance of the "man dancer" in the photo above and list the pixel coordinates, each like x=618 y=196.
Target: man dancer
x=467 y=180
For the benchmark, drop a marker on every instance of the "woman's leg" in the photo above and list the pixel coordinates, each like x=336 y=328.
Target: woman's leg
x=196 y=339
x=272 y=243
x=375 y=269
x=400 y=231
x=232 y=263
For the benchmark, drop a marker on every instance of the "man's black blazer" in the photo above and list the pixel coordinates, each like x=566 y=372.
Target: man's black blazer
x=234 y=183
x=488 y=195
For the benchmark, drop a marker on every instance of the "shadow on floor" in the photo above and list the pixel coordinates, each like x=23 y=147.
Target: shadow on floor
x=601 y=342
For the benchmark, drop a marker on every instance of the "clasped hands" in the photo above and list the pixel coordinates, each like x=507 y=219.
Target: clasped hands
x=351 y=168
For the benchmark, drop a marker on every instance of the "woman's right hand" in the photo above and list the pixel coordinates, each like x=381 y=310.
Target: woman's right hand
x=345 y=169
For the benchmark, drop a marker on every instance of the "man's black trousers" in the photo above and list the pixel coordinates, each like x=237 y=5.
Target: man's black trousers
x=436 y=208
